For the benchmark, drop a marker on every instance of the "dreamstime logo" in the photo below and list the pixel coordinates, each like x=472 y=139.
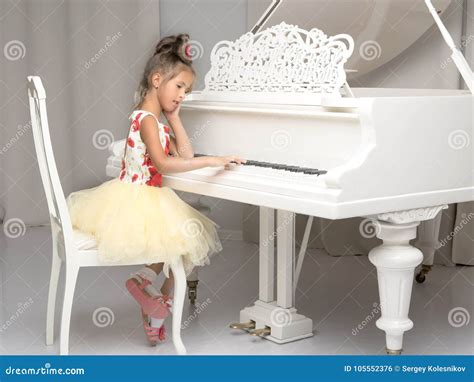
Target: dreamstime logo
x=14 y=227
x=103 y=317
x=465 y=220
x=271 y=238
x=192 y=227
x=458 y=317
x=459 y=139
x=21 y=308
x=465 y=42
x=22 y=129
x=195 y=135
x=14 y=50
x=194 y=49
x=369 y=228
x=108 y=44
x=102 y=139
x=367 y=319
x=370 y=50
x=280 y=140
x=280 y=317
x=47 y=369
x=199 y=309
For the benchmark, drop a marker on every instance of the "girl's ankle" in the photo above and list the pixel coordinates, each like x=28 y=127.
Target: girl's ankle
x=147 y=273
x=166 y=292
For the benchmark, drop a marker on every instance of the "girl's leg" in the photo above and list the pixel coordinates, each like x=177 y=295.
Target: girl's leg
x=148 y=272
x=167 y=286
x=166 y=289
x=156 y=267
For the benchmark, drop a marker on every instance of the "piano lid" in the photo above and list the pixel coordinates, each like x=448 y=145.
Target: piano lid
x=382 y=29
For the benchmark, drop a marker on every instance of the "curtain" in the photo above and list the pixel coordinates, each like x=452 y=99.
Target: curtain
x=90 y=55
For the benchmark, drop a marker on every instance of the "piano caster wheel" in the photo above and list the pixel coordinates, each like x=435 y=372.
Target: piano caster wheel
x=394 y=352
x=192 y=291
x=421 y=276
x=261 y=332
x=243 y=325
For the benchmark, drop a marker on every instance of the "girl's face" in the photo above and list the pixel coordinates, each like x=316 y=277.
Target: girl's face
x=172 y=93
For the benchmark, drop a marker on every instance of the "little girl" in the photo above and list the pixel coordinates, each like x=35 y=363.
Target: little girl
x=132 y=216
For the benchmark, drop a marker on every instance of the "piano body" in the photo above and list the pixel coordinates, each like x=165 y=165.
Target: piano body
x=280 y=99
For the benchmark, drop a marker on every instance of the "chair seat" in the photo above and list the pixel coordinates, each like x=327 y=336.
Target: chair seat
x=87 y=245
x=84 y=241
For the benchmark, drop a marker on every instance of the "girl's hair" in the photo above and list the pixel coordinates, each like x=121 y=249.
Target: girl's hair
x=170 y=58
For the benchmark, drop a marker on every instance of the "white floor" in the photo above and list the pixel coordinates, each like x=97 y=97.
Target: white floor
x=337 y=293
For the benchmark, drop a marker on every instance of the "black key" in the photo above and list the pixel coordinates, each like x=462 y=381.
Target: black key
x=264 y=164
x=278 y=166
x=315 y=172
x=251 y=163
x=303 y=169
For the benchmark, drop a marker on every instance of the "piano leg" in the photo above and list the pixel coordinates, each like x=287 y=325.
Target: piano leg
x=192 y=281
x=277 y=320
x=267 y=254
x=285 y=258
x=428 y=238
x=396 y=261
x=193 y=278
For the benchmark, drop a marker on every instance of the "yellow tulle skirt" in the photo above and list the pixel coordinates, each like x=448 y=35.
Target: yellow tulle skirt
x=131 y=222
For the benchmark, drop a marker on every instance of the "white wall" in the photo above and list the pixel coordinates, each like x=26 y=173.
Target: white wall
x=426 y=63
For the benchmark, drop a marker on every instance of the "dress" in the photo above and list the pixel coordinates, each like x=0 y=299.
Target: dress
x=133 y=217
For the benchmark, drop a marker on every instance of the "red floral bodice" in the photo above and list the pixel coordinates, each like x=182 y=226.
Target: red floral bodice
x=137 y=167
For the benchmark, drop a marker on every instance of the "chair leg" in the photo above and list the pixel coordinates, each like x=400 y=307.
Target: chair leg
x=53 y=287
x=179 y=295
x=72 y=272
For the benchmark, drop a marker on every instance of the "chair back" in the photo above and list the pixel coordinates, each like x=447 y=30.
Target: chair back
x=57 y=206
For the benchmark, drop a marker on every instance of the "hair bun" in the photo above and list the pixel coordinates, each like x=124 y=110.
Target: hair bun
x=177 y=45
x=164 y=45
x=183 y=48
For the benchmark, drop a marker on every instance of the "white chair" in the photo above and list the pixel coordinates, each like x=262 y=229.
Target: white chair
x=76 y=249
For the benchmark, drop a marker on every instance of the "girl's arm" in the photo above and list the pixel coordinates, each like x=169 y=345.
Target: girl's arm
x=173 y=148
x=165 y=164
x=183 y=146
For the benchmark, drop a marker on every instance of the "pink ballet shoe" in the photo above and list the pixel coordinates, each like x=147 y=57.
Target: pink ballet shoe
x=153 y=334
x=153 y=306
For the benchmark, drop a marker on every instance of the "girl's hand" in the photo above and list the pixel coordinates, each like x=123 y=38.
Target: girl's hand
x=170 y=115
x=225 y=161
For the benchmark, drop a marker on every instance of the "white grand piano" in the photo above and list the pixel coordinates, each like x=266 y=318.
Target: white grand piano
x=316 y=146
